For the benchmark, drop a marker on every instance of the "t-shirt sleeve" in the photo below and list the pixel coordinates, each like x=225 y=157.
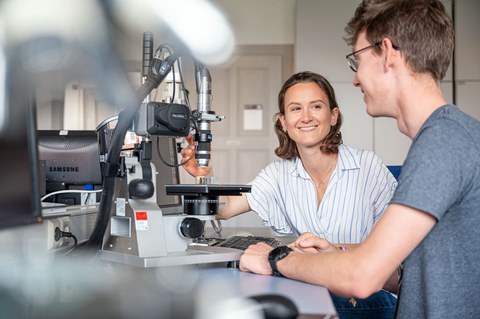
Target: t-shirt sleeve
x=436 y=169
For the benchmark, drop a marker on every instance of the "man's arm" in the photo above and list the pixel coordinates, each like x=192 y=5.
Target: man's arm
x=309 y=243
x=359 y=272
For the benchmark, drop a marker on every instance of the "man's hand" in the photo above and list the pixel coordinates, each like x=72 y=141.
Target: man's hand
x=309 y=243
x=255 y=259
x=191 y=166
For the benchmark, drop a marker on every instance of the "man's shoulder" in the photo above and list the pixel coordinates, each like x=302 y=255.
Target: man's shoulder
x=450 y=124
x=452 y=117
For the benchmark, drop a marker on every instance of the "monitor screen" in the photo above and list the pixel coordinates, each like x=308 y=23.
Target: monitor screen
x=71 y=162
x=20 y=194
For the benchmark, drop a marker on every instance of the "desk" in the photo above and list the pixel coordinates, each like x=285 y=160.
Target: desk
x=311 y=300
x=202 y=286
x=42 y=287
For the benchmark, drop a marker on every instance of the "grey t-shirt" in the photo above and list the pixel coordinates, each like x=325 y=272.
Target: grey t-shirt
x=441 y=176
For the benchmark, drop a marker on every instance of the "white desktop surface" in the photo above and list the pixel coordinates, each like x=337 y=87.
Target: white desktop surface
x=309 y=299
x=222 y=282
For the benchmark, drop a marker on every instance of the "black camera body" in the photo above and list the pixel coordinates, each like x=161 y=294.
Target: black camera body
x=165 y=119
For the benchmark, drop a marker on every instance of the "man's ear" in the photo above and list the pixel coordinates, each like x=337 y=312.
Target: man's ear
x=390 y=54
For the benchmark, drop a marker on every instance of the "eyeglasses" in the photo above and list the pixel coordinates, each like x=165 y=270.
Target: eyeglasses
x=352 y=58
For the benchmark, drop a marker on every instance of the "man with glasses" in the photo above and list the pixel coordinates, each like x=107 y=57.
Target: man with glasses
x=402 y=49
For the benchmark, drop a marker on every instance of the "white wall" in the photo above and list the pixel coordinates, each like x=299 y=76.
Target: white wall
x=324 y=52
x=260 y=22
x=467 y=59
x=316 y=28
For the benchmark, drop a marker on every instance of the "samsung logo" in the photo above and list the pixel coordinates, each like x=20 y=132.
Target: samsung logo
x=67 y=169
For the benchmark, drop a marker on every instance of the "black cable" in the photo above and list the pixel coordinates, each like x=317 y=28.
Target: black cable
x=169 y=50
x=173 y=83
x=123 y=124
x=125 y=120
x=87 y=199
x=170 y=164
x=65 y=234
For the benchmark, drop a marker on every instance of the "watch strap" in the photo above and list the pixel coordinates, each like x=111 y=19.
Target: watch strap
x=276 y=255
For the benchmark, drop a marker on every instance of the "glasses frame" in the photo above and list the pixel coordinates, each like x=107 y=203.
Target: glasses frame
x=352 y=59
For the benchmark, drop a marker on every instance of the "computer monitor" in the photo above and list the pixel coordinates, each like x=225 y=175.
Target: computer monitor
x=19 y=194
x=72 y=162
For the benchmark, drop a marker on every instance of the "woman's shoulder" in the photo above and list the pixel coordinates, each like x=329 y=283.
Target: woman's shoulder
x=277 y=168
x=280 y=164
x=353 y=150
x=359 y=155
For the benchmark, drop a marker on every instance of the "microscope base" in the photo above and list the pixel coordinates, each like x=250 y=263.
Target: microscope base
x=192 y=256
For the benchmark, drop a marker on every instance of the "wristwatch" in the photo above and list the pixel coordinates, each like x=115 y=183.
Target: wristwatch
x=276 y=255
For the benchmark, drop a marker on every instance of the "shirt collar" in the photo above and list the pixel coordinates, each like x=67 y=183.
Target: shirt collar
x=347 y=159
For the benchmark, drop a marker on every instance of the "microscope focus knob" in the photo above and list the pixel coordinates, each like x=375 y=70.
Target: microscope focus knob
x=141 y=188
x=191 y=227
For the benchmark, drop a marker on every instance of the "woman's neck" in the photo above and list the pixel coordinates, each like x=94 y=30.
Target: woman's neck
x=318 y=164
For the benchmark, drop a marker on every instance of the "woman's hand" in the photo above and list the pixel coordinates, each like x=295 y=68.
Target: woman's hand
x=309 y=243
x=191 y=166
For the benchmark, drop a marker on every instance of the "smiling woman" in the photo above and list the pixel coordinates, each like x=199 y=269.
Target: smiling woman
x=318 y=185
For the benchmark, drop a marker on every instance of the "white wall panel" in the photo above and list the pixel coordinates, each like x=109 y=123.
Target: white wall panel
x=468 y=97
x=319 y=37
x=467 y=25
x=357 y=128
x=260 y=22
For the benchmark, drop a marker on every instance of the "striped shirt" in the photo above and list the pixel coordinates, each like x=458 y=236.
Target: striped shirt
x=359 y=190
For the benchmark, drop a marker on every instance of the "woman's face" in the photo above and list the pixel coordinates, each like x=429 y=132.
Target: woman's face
x=307 y=118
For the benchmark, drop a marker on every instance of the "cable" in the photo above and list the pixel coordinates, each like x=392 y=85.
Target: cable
x=64 y=234
x=158 y=73
x=170 y=164
x=67 y=191
x=170 y=49
x=87 y=199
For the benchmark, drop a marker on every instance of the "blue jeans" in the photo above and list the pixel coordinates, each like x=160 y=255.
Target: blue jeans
x=380 y=305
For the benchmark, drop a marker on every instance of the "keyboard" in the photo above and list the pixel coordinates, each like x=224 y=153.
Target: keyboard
x=242 y=242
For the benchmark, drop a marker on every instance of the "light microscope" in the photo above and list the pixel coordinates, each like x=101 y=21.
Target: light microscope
x=130 y=226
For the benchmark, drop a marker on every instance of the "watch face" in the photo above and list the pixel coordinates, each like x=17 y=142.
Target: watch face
x=275 y=255
x=285 y=250
x=281 y=252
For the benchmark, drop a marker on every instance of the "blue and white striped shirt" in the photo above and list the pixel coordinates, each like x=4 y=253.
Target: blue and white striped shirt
x=359 y=190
